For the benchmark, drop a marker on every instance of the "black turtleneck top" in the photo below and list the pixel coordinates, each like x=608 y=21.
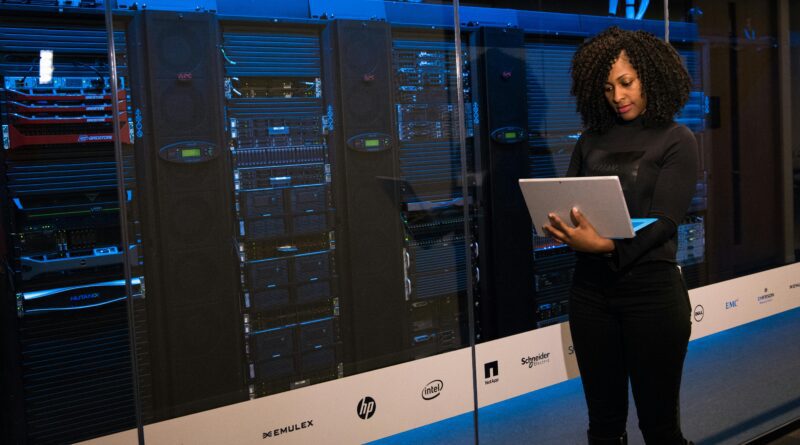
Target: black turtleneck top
x=657 y=168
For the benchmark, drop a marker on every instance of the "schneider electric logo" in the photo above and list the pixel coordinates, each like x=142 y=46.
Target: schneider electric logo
x=366 y=407
x=536 y=360
x=491 y=371
x=287 y=429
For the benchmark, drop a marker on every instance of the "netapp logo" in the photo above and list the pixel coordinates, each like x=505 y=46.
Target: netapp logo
x=766 y=297
x=541 y=359
x=490 y=372
x=698 y=313
x=287 y=429
x=432 y=390
x=366 y=407
x=732 y=304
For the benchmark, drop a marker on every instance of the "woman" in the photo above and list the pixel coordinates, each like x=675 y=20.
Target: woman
x=629 y=308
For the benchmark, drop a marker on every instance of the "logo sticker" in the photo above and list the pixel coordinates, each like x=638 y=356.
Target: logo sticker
x=698 y=313
x=491 y=371
x=366 y=407
x=432 y=390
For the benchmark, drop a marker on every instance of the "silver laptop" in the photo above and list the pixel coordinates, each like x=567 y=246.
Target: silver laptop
x=599 y=198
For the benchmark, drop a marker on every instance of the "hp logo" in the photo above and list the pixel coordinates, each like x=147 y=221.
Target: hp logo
x=366 y=408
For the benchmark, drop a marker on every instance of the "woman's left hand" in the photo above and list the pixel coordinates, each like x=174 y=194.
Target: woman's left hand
x=582 y=238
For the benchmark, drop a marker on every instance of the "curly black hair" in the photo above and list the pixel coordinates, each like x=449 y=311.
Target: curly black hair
x=665 y=81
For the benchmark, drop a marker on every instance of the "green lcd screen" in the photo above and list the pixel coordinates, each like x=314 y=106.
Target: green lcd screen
x=372 y=143
x=190 y=153
x=511 y=135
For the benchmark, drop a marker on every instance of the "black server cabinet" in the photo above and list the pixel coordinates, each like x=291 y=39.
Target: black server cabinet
x=66 y=353
x=278 y=130
x=506 y=288
x=193 y=310
x=357 y=89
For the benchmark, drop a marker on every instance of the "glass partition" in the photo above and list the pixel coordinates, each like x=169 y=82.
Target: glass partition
x=298 y=221
x=738 y=223
x=794 y=68
x=305 y=218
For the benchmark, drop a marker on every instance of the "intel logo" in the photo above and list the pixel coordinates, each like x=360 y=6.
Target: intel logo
x=432 y=390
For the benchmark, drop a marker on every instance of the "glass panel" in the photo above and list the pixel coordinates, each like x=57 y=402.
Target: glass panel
x=794 y=66
x=735 y=225
x=302 y=219
x=66 y=357
x=321 y=216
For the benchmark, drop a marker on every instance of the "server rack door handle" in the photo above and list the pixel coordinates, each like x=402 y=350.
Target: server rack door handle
x=224 y=55
x=406 y=280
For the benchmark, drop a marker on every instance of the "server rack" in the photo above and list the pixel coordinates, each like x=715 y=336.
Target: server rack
x=282 y=177
x=357 y=89
x=193 y=313
x=691 y=231
x=430 y=178
x=65 y=320
x=505 y=304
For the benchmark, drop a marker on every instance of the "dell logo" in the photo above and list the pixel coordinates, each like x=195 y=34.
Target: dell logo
x=432 y=390
x=366 y=408
x=698 y=313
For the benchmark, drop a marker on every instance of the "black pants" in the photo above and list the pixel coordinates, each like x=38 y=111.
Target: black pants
x=631 y=326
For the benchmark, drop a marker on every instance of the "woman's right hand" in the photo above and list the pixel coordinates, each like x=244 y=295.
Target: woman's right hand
x=582 y=238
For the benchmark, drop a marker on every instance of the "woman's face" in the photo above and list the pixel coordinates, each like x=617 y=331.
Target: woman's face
x=623 y=89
